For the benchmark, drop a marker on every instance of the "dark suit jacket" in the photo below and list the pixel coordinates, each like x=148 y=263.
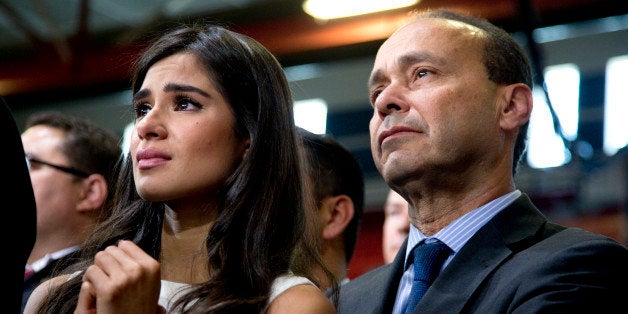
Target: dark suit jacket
x=54 y=268
x=517 y=263
x=18 y=209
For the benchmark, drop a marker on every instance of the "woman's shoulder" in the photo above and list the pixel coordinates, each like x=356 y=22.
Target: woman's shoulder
x=41 y=292
x=296 y=294
x=285 y=282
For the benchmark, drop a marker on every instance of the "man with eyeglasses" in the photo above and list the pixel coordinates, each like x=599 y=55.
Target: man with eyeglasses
x=72 y=166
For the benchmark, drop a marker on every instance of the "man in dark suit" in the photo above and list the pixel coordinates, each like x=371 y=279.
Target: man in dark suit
x=72 y=166
x=18 y=206
x=452 y=98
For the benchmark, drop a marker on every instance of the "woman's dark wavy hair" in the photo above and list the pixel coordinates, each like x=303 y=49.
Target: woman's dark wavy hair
x=262 y=219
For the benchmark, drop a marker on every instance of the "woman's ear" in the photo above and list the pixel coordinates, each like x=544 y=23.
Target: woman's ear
x=517 y=106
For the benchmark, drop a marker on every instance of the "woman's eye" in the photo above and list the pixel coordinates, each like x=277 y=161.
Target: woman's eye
x=141 y=109
x=186 y=103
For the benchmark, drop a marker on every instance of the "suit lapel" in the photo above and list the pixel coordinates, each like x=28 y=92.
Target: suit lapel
x=393 y=278
x=479 y=257
x=375 y=291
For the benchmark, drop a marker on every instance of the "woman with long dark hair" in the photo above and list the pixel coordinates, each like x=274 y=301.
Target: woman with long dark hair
x=210 y=208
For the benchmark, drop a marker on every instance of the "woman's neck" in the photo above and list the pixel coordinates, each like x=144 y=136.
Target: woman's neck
x=183 y=251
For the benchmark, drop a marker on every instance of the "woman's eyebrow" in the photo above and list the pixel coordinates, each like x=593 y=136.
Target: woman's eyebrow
x=143 y=93
x=170 y=87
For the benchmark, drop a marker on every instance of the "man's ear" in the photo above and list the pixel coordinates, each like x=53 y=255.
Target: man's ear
x=517 y=106
x=339 y=212
x=93 y=193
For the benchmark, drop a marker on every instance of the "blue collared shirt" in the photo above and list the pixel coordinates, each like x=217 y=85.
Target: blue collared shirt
x=455 y=235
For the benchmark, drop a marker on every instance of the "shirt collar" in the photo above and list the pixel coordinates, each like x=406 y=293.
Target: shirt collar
x=452 y=234
x=44 y=261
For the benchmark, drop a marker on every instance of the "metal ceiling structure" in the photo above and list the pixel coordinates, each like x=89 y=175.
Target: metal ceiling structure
x=55 y=45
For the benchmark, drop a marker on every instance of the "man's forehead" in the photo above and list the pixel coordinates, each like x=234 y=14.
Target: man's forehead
x=439 y=24
x=433 y=32
x=425 y=40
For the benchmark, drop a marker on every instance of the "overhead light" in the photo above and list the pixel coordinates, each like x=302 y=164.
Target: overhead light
x=311 y=114
x=333 y=9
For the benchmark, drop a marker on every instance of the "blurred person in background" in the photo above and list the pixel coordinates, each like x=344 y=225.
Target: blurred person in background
x=337 y=183
x=71 y=162
x=396 y=225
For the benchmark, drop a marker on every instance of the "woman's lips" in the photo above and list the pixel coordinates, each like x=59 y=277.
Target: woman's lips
x=149 y=158
x=148 y=163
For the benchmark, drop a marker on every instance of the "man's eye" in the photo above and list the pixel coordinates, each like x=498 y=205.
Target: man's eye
x=374 y=95
x=421 y=73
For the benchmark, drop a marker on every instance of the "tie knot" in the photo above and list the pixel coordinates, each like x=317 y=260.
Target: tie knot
x=428 y=259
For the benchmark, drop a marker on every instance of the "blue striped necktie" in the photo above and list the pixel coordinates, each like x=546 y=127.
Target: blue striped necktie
x=428 y=259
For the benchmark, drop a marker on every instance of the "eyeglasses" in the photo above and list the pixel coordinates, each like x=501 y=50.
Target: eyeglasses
x=31 y=160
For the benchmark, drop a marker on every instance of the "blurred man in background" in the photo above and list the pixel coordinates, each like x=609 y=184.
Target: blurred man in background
x=72 y=166
x=396 y=225
x=338 y=188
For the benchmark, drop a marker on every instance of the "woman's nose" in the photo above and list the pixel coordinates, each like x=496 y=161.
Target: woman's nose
x=152 y=125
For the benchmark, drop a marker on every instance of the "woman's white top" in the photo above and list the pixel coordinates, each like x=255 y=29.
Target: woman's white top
x=169 y=289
